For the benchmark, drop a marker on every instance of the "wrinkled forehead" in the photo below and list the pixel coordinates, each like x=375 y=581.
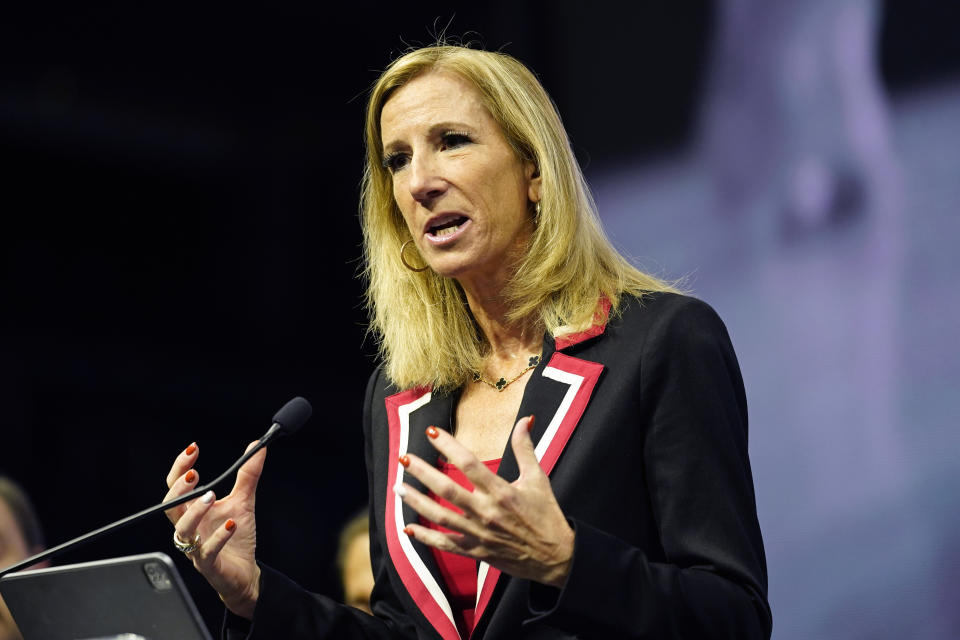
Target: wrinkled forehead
x=434 y=96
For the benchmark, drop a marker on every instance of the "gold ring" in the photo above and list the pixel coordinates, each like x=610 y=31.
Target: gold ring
x=186 y=547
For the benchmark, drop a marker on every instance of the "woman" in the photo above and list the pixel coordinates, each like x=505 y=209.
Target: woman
x=619 y=504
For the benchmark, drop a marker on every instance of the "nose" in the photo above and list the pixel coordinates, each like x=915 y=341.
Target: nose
x=426 y=181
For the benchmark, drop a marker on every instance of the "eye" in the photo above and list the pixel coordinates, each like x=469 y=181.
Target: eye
x=395 y=161
x=454 y=139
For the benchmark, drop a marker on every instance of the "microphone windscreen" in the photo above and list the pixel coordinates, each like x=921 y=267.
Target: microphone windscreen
x=292 y=415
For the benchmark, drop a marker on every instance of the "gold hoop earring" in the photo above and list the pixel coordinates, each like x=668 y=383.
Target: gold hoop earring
x=407 y=264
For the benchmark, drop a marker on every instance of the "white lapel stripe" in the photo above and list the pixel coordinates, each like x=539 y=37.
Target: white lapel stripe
x=482 y=569
x=564 y=377
x=415 y=560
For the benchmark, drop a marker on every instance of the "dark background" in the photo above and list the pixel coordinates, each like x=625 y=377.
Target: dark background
x=179 y=242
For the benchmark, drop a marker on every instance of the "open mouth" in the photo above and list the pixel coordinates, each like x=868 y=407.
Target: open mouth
x=446 y=226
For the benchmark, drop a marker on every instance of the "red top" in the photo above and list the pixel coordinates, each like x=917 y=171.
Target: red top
x=459 y=572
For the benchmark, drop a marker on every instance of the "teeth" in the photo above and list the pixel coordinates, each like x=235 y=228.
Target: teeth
x=447 y=231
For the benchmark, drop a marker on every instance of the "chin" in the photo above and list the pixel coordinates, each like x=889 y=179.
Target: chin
x=466 y=265
x=452 y=266
x=454 y=273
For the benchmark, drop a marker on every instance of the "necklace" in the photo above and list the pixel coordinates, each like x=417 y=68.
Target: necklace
x=503 y=383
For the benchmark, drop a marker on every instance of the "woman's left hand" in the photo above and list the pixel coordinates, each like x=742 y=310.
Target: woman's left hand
x=517 y=526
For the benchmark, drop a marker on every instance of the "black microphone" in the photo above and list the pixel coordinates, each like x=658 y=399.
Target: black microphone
x=287 y=420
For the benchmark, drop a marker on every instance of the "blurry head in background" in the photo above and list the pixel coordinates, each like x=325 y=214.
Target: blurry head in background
x=353 y=562
x=20 y=538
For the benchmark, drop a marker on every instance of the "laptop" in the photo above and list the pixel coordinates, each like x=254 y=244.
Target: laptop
x=132 y=598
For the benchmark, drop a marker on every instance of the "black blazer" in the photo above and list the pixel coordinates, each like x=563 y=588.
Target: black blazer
x=642 y=427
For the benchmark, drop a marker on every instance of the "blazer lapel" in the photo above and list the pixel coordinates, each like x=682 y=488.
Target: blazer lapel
x=557 y=395
x=409 y=413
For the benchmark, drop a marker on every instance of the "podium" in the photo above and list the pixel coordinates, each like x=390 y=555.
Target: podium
x=138 y=597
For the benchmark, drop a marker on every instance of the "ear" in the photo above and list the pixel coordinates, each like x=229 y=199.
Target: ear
x=534 y=182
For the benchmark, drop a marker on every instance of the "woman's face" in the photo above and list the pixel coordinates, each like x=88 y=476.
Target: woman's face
x=464 y=193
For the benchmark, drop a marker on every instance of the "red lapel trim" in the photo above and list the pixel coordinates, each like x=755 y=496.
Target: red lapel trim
x=581 y=376
x=419 y=582
x=598 y=327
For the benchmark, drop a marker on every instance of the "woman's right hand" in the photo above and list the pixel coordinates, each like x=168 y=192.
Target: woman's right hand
x=227 y=528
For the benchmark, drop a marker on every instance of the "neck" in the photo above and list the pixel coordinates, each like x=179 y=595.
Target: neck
x=508 y=340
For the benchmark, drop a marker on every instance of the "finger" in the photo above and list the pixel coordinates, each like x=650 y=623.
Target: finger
x=439 y=483
x=435 y=512
x=206 y=555
x=249 y=474
x=184 y=461
x=523 y=448
x=185 y=483
x=453 y=542
x=187 y=525
x=477 y=473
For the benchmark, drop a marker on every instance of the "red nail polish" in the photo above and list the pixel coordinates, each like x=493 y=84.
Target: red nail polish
x=191 y=449
x=230 y=525
x=405 y=461
x=190 y=477
x=408 y=531
x=530 y=423
x=433 y=432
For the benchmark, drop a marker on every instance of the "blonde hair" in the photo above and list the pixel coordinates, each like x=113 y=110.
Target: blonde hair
x=426 y=334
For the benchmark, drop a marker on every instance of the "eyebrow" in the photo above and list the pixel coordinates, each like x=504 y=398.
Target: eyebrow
x=434 y=130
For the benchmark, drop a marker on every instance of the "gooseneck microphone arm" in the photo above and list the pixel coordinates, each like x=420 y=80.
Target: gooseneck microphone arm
x=286 y=421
